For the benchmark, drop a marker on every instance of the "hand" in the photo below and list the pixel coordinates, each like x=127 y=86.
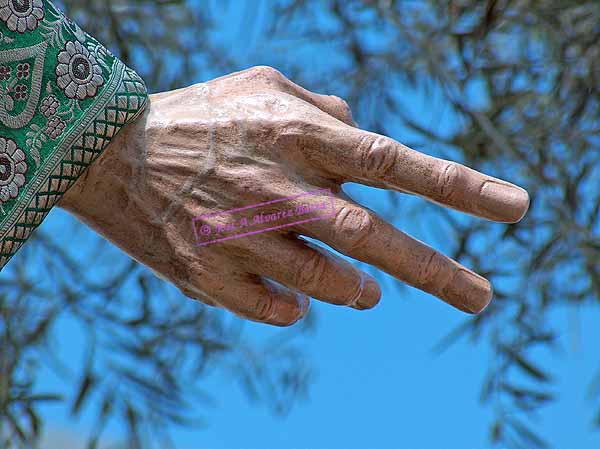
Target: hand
x=253 y=137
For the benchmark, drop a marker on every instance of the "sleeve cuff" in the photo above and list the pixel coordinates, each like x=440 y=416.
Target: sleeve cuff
x=63 y=97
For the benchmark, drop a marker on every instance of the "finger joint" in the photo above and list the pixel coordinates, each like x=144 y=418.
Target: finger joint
x=379 y=157
x=311 y=272
x=265 y=308
x=267 y=73
x=448 y=181
x=428 y=269
x=352 y=227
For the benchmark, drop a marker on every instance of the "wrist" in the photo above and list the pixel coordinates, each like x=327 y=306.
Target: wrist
x=93 y=195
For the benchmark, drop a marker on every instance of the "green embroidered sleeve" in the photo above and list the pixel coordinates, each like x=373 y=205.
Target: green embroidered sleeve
x=63 y=96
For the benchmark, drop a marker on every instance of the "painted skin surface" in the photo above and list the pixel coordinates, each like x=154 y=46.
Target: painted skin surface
x=252 y=137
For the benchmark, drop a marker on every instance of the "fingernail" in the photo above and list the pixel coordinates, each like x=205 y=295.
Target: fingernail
x=468 y=292
x=505 y=202
x=371 y=294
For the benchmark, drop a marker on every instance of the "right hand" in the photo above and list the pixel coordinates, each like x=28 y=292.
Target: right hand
x=253 y=137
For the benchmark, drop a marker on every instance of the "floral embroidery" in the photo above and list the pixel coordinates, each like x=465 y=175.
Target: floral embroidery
x=20 y=92
x=5 y=72
x=44 y=76
x=55 y=127
x=23 y=70
x=78 y=72
x=12 y=169
x=21 y=15
x=49 y=106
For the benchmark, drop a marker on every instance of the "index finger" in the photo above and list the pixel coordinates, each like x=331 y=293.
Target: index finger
x=380 y=161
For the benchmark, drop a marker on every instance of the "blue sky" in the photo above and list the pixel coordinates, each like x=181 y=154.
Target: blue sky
x=379 y=385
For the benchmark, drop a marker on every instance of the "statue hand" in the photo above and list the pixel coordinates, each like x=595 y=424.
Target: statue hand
x=254 y=137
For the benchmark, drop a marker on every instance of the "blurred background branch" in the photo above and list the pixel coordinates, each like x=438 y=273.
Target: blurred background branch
x=520 y=79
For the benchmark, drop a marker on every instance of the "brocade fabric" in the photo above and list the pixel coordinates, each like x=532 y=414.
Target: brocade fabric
x=63 y=97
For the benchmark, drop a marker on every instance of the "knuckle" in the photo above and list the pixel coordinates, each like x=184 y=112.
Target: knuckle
x=311 y=272
x=264 y=308
x=379 y=156
x=294 y=134
x=266 y=72
x=448 y=181
x=428 y=269
x=353 y=225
